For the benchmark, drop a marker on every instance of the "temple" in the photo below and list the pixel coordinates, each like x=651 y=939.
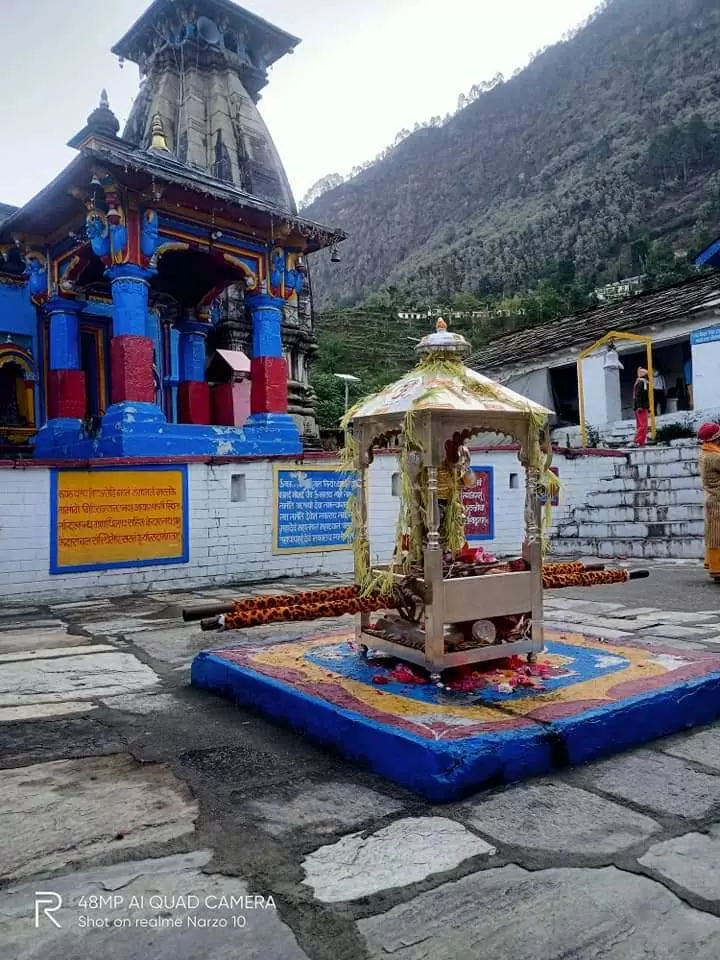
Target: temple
x=155 y=297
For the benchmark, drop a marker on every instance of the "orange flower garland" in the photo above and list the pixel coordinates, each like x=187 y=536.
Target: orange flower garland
x=589 y=578
x=312 y=605
x=340 y=601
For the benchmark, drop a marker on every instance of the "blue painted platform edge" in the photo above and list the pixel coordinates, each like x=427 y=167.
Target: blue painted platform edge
x=442 y=770
x=447 y=770
x=640 y=719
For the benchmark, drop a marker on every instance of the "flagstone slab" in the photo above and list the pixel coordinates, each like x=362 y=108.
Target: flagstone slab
x=176 y=645
x=13 y=613
x=658 y=783
x=81 y=650
x=44 y=711
x=140 y=925
x=82 y=677
x=71 y=606
x=72 y=811
x=322 y=808
x=675 y=631
x=509 y=913
x=38 y=639
x=29 y=623
x=402 y=853
x=701 y=747
x=122 y=626
x=690 y=861
x=554 y=816
x=144 y=704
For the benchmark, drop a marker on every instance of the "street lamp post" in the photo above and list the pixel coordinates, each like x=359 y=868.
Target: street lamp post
x=347 y=378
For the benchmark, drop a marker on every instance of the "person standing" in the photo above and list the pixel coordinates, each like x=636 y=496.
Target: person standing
x=660 y=390
x=709 y=463
x=641 y=405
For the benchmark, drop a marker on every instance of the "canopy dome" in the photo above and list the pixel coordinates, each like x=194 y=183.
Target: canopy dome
x=442 y=383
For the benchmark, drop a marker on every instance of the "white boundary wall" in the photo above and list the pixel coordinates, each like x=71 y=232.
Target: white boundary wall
x=232 y=541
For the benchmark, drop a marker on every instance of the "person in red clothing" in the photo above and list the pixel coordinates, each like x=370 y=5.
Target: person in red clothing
x=641 y=405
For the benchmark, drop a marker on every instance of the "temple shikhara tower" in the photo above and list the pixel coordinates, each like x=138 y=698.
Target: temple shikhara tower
x=155 y=297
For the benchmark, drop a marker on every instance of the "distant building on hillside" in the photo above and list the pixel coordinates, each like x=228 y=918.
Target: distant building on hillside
x=620 y=290
x=451 y=315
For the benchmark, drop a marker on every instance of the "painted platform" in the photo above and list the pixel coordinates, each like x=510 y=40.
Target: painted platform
x=594 y=698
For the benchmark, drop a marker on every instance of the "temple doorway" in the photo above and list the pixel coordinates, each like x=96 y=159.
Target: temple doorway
x=12 y=400
x=17 y=400
x=94 y=339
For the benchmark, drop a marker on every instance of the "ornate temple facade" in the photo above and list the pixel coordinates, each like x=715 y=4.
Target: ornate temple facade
x=155 y=297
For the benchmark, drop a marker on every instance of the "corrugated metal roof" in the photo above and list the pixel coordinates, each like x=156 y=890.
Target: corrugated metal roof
x=581 y=330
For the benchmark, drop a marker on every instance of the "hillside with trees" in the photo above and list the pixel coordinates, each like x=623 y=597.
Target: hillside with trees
x=599 y=160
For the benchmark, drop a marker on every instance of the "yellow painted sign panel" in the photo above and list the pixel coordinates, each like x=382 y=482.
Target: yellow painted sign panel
x=118 y=518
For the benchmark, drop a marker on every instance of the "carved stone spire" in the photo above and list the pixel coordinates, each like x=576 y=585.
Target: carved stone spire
x=201 y=81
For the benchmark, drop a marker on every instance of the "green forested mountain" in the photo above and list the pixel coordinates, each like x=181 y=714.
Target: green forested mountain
x=599 y=157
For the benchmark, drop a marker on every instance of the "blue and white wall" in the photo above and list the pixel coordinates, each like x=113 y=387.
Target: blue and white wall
x=231 y=524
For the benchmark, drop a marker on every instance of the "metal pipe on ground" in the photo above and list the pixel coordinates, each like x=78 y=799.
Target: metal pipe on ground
x=210 y=610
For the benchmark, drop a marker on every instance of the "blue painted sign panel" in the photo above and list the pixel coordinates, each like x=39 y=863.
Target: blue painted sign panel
x=310 y=509
x=708 y=335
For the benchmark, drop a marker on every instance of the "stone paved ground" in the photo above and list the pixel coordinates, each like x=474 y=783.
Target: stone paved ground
x=121 y=782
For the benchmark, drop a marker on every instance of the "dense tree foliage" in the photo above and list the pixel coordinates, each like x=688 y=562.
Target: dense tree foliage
x=598 y=160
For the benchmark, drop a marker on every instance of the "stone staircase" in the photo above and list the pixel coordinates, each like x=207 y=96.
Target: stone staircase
x=651 y=509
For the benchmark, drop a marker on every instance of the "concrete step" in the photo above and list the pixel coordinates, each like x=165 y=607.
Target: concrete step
x=681 y=548
x=649 y=484
x=653 y=455
x=685 y=496
x=660 y=471
x=633 y=530
x=650 y=515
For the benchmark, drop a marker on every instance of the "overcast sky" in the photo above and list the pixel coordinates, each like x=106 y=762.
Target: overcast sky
x=365 y=70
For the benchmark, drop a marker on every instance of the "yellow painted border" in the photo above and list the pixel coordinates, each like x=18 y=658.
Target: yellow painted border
x=281 y=551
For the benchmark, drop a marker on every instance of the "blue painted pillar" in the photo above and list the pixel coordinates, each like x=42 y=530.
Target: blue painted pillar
x=275 y=429
x=131 y=350
x=194 y=390
x=66 y=381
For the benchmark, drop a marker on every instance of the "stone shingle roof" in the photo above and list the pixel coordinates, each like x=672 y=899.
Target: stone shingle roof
x=6 y=210
x=581 y=330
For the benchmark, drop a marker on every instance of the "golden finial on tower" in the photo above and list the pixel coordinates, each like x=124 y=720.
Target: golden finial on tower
x=158 y=134
x=440 y=325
